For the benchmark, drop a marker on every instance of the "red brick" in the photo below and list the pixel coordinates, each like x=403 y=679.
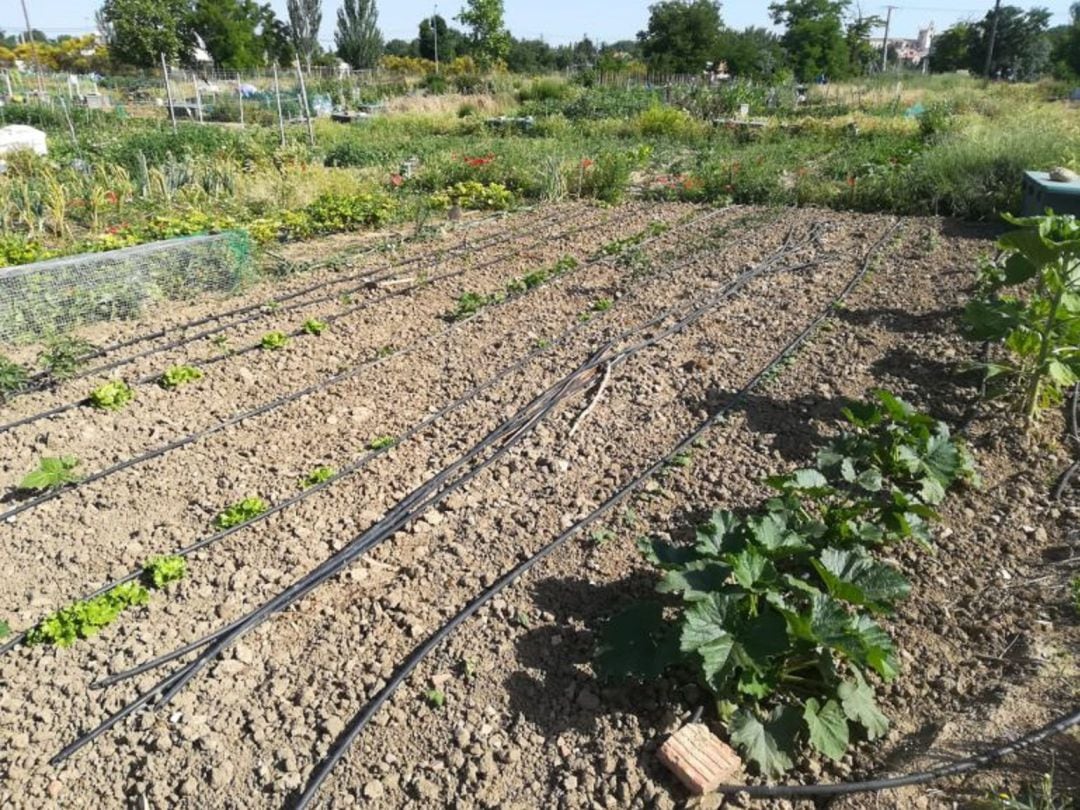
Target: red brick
x=700 y=759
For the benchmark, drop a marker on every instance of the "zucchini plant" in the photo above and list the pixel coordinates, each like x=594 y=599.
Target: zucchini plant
x=13 y=377
x=1030 y=306
x=314 y=327
x=272 y=341
x=64 y=355
x=52 y=473
x=320 y=475
x=776 y=610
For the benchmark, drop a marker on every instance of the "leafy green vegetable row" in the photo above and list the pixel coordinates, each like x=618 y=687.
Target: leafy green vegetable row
x=775 y=609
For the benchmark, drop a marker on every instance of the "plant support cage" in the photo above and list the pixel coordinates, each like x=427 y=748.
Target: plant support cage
x=55 y=296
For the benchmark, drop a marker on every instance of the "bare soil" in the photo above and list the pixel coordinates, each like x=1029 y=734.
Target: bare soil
x=988 y=638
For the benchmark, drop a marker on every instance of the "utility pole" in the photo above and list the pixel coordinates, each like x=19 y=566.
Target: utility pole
x=34 y=51
x=885 y=39
x=993 y=38
x=435 y=31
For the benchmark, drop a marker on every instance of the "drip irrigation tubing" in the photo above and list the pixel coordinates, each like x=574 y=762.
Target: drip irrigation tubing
x=1074 y=431
x=361 y=719
x=726 y=292
x=362 y=461
x=34 y=383
x=243 y=416
x=230 y=354
x=417 y=503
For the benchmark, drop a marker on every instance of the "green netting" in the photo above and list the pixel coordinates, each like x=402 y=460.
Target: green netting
x=50 y=297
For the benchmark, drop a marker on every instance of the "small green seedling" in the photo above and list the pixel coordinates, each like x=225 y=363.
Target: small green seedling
x=602 y=304
x=543 y=344
x=112 y=396
x=222 y=342
x=320 y=475
x=5 y=629
x=63 y=356
x=435 y=698
x=603 y=536
x=240 y=513
x=180 y=375
x=468 y=304
x=521 y=619
x=468 y=669
x=681 y=460
x=85 y=618
x=272 y=306
x=385 y=351
x=382 y=442
x=314 y=327
x=272 y=341
x=160 y=571
x=51 y=474
x=585 y=317
x=12 y=377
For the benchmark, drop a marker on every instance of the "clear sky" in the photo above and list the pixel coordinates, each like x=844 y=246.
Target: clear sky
x=556 y=21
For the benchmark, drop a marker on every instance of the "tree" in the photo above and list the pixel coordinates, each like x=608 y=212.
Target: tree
x=1021 y=49
x=1066 y=53
x=241 y=34
x=682 y=36
x=400 y=47
x=488 y=38
x=305 y=19
x=863 y=57
x=951 y=50
x=754 y=53
x=449 y=39
x=358 y=39
x=139 y=31
x=814 y=37
x=530 y=56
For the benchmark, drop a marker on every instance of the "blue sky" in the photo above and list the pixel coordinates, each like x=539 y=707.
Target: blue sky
x=557 y=21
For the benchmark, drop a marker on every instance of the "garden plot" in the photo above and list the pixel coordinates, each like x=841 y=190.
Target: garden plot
x=530 y=388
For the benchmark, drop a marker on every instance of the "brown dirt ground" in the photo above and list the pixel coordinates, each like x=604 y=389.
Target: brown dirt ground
x=988 y=638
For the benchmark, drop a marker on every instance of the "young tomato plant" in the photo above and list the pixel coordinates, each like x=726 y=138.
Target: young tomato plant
x=240 y=513
x=176 y=376
x=468 y=304
x=64 y=355
x=776 y=610
x=12 y=377
x=1038 y=320
x=112 y=396
x=314 y=327
x=52 y=473
x=272 y=341
x=320 y=475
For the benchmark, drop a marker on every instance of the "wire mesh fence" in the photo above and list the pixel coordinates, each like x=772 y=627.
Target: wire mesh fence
x=55 y=296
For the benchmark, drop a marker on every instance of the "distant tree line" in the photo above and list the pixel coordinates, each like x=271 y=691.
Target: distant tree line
x=818 y=38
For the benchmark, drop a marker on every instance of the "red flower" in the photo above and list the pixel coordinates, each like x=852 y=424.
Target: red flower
x=477 y=162
x=396 y=180
x=851 y=181
x=111 y=196
x=587 y=164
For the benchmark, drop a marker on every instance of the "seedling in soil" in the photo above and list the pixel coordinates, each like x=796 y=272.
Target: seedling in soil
x=603 y=536
x=52 y=473
x=221 y=342
x=272 y=306
x=84 y=619
x=239 y=513
x=521 y=619
x=160 y=571
x=435 y=698
x=385 y=351
x=468 y=669
x=314 y=327
x=63 y=356
x=468 y=304
x=320 y=475
x=112 y=396
x=180 y=375
x=681 y=461
x=602 y=304
x=12 y=377
x=629 y=518
x=272 y=341
x=345 y=299
x=5 y=629
x=543 y=344
x=585 y=317
x=382 y=442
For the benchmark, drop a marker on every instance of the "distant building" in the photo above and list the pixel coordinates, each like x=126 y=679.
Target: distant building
x=913 y=51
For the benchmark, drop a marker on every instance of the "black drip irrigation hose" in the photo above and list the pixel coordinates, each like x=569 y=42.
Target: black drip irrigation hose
x=237 y=418
x=1074 y=431
x=230 y=354
x=35 y=382
x=417 y=503
x=361 y=462
x=360 y=720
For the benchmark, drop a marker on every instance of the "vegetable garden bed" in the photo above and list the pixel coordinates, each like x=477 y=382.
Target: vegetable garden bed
x=400 y=447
